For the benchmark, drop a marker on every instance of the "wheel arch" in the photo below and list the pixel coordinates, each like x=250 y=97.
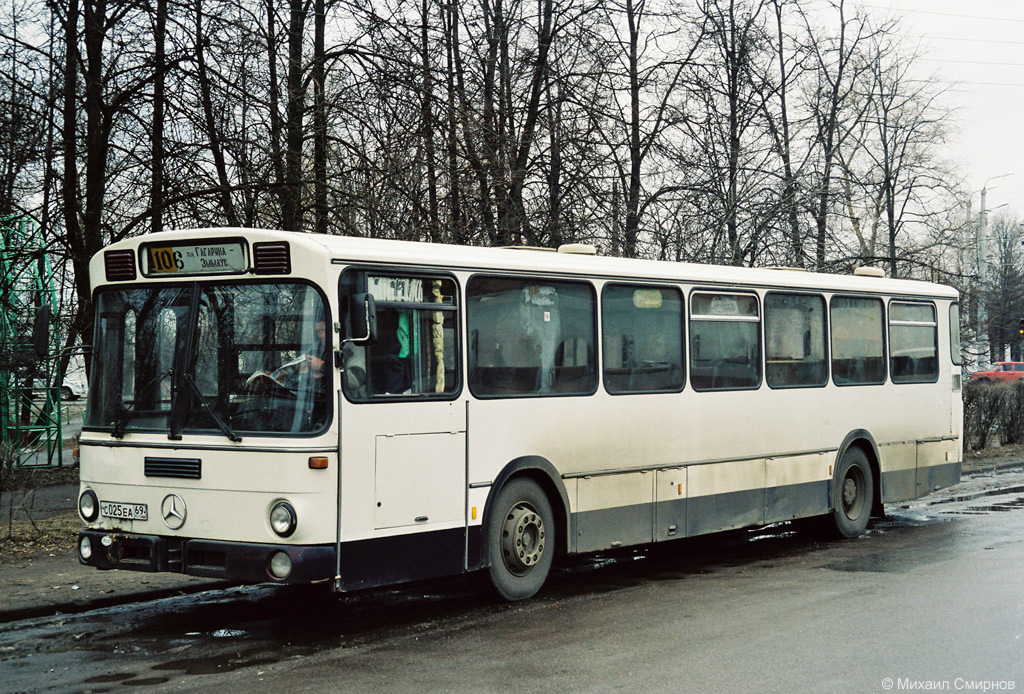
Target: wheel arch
x=862 y=438
x=541 y=471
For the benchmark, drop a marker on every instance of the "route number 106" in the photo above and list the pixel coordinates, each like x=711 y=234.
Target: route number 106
x=165 y=260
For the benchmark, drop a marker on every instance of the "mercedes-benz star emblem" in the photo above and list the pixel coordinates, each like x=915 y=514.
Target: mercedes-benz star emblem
x=173 y=511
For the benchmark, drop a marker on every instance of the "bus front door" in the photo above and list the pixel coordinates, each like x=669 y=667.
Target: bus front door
x=402 y=495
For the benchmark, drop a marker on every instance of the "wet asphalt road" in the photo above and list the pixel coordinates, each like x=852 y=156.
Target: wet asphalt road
x=932 y=597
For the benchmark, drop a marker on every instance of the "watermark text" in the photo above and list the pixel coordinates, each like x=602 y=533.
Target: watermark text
x=960 y=684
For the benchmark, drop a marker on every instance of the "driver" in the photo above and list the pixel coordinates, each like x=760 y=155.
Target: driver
x=290 y=374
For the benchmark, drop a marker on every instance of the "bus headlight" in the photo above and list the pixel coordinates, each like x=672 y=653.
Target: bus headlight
x=280 y=565
x=88 y=506
x=85 y=549
x=283 y=519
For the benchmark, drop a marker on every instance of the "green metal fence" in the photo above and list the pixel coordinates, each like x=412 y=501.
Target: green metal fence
x=30 y=393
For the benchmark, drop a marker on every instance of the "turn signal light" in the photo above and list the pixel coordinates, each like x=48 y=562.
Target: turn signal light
x=318 y=463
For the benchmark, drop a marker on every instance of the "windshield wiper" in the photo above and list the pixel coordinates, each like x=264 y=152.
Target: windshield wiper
x=127 y=412
x=221 y=424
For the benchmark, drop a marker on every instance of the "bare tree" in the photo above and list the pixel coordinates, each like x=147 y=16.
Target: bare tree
x=732 y=85
x=836 y=68
x=734 y=131
x=1004 y=295
x=906 y=123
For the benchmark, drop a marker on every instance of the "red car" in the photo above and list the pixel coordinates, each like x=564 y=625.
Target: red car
x=1001 y=371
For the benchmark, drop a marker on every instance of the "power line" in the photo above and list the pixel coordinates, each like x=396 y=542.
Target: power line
x=968 y=62
x=962 y=38
x=944 y=14
x=963 y=85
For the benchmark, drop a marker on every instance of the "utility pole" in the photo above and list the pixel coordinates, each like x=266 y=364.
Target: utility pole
x=982 y=327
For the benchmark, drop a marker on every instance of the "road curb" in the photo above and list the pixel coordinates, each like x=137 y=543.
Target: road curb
x=54 y=609
x=1005 y=465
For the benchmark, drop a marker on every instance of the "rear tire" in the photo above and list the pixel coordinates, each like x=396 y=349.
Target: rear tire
x=520 y=540
x=853 y=493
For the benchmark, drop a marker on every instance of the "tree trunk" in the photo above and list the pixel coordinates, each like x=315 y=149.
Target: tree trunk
x=320 y=209
x=733 y=69
x=291 y=211
x=69 y=185
x=159 y=97
x=511 y=213
x=829 y=138
x=276 y=126
x=476 y=160
x=456 y=233
x=212 y=132
x=789 y=185
x=427 y=132
x=631 y=229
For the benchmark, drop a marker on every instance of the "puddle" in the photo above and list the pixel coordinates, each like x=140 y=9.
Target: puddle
x=976 y=495
x=1011 y=505
x=869 y=564
x=217 y=664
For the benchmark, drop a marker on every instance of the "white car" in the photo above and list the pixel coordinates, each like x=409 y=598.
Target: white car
x=74 y=387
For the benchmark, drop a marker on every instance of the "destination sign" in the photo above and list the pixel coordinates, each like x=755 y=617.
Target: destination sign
x=401 y=289
x=218 y=257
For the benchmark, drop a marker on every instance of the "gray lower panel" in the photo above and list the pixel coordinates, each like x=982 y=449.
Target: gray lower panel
x=936 y=477
x=670 y=519
x=898 y=485
x=796 y=501
x=709 y=514
x=632 y=525
x=667 y=520
x=613 y=527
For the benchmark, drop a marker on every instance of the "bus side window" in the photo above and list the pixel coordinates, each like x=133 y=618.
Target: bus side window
x=725 y=345
x=913 y=342
x=954 y=334
x=858 y=342
x=531 y=337
x=415 y=353
x=643 y=339
x=795 y=340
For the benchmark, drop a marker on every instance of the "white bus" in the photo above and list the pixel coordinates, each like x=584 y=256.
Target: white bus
x=287 y=407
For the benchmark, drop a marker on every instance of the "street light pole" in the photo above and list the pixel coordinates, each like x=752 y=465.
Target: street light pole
x=983 y=343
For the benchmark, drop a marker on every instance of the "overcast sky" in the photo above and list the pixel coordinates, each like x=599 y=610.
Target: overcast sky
x=978 y=48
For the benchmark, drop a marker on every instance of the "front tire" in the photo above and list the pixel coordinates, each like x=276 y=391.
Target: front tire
x=520 y=540
x=852 y=494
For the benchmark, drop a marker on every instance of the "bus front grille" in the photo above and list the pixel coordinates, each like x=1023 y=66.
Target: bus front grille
x=177 y=468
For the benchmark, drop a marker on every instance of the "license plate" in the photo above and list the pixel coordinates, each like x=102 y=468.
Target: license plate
x=115 y=509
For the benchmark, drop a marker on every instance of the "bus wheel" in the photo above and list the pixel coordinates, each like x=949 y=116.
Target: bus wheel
x=520 y=540
x=853 y=493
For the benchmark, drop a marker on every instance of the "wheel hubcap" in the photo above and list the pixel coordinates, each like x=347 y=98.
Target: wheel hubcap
x=522 y=538
x=853 y=493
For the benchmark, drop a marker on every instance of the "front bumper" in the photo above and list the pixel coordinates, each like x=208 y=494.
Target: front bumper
x=237 y=561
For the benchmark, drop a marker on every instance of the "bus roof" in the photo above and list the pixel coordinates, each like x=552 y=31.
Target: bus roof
x=412 y=254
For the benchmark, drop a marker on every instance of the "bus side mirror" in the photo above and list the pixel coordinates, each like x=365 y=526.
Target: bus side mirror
x=363 y=314
x=41 y=331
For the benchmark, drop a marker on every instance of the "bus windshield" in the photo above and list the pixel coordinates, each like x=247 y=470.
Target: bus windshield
x=210 y=358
